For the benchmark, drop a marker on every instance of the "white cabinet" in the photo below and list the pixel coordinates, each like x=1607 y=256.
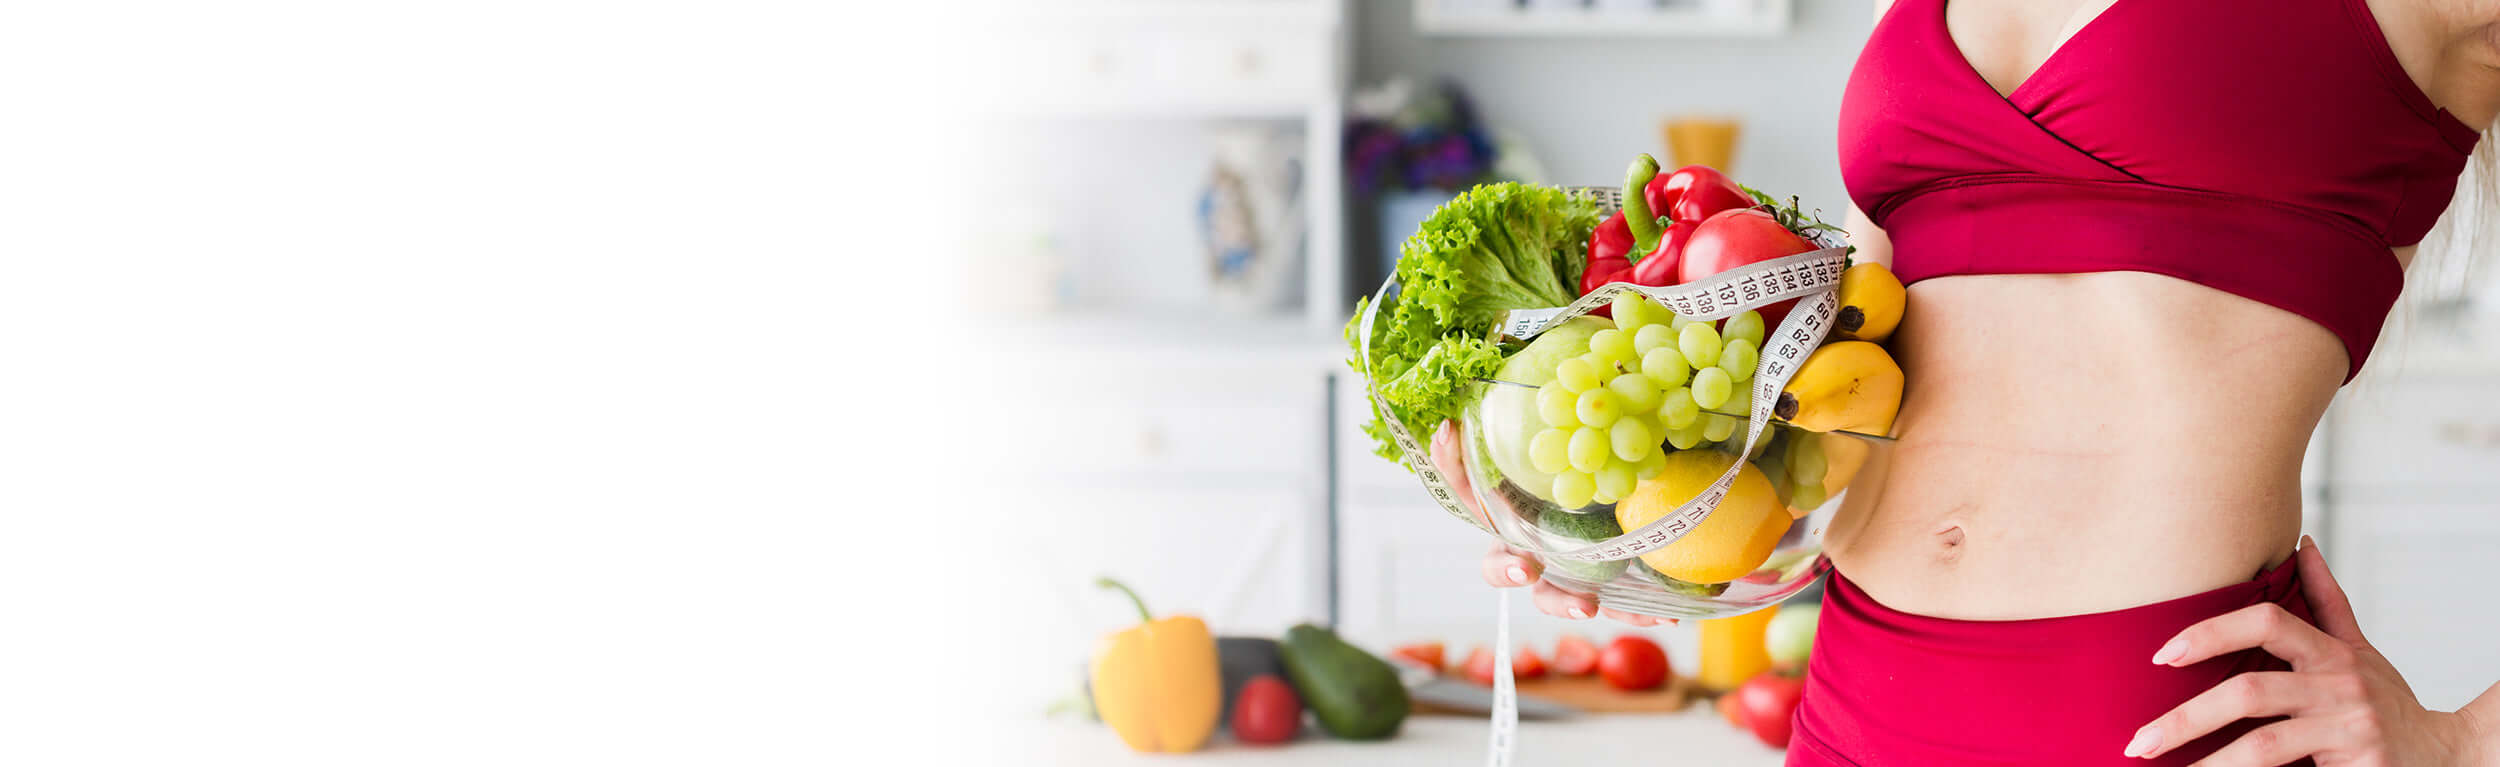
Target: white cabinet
x=1409 y=571
x=1184 y=457
x=1147 y=60
x=2427 y=437
x=2419 y=575
x=2412 y=478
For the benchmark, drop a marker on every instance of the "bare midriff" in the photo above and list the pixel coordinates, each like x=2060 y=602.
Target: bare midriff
x=2080 y=443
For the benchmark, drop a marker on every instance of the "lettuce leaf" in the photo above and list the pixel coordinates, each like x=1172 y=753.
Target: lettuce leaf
x=1491 y=249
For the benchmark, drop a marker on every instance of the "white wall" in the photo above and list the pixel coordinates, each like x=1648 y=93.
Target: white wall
x=1586 y=106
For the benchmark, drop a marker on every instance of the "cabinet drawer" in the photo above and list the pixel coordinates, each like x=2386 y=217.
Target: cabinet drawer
x=2417 y=440
x=1253 y=67
x=1158 y=57
x=1210 y=424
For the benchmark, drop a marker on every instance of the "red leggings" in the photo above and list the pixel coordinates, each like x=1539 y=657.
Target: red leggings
x=1886 y=687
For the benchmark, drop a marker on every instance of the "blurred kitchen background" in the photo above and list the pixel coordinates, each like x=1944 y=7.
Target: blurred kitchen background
x=1177 y=201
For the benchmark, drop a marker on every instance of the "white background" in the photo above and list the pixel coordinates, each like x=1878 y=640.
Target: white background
x=471 y=383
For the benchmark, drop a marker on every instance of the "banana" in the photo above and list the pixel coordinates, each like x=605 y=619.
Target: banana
x=1844 y=455
x=1843 y=386
x=1871 y=300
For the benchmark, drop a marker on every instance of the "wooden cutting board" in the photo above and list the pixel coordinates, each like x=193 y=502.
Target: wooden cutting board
x=1591 y=694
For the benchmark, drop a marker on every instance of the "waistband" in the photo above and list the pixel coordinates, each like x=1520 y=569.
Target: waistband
x=1885 y=687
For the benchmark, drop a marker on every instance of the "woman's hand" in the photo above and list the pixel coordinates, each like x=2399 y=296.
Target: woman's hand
x=1508 y=567
x=2346 y=703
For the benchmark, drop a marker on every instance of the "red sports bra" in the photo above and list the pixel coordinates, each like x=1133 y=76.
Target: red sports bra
x=2273 y=149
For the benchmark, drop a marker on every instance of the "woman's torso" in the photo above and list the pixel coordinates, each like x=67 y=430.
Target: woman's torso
x=2089 y=441
x=2081 y=443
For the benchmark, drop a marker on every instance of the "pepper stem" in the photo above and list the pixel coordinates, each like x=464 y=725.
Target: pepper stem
x=1636 y=212
x=1108 y=583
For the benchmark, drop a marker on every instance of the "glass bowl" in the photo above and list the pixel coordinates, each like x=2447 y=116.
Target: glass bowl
x=1493 y=438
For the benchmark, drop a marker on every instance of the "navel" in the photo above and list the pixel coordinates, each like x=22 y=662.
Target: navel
x=1949 y=538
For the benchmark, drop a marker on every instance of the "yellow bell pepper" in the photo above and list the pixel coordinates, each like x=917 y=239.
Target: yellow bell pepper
x=1157 y=683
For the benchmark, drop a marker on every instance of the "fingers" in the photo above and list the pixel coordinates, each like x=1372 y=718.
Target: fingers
x=2265 y=625
x=2278 y=743
x=1446 y=458
x=1506 y=568
x=1563 y=604
x=1633 y=618
x=2246 y=696
x=2327 y=603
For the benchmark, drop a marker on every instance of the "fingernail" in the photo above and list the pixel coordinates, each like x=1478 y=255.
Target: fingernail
x=2307 y=542
x=2145 y=740
x=2170 y=652
x=1579 y=614
x=1518 y=575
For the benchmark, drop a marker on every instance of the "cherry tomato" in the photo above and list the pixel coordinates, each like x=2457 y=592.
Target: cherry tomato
x=1524 y=664
x=1478 y=667
x=1575 y=655
x=1633 y=663
x=1267 y=711
x=1426 y=654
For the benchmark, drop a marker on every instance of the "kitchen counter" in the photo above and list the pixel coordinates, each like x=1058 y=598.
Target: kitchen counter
x=1694 y=736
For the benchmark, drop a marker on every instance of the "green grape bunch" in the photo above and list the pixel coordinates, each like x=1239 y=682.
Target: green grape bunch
x=1646 y=386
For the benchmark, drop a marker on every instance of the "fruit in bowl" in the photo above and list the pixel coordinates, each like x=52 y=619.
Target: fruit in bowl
x=1734 y=540
x=1751 y=551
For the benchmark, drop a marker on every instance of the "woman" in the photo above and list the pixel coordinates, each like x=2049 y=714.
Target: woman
x=2147 y=241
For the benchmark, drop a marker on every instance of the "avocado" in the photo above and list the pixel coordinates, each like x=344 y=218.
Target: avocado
x=1688 y=588
x=1241 y=658
x=1356 y=696
x=1583 y=527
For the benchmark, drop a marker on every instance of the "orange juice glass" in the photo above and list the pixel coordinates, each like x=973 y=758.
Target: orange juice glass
x=1702 y=141
x=1732 y=650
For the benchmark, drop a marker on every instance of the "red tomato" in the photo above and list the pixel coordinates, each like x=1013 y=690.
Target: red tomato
x=1734 y=714
x=1479 y=666
x=1525 y=664
x=1633 y=663
x=1425 y=654
x=1575 y=655
x=1769 y=702
x=1267 y=711
x=1735 y=238
x=1693 y=193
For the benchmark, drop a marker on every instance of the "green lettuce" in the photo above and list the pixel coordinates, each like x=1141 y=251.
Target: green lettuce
x=1492 y=249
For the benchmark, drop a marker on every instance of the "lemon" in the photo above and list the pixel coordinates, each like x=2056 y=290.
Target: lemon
x=1733 y=541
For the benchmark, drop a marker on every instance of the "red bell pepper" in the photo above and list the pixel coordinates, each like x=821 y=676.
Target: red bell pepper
x=1608 y=248
x=1634 y=245
x=1693 y=193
